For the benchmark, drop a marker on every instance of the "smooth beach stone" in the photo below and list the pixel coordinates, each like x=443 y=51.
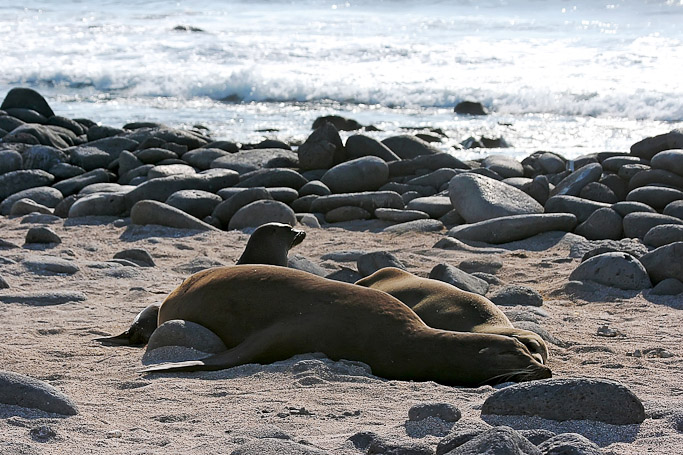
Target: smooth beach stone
x=664 y=234
x=225 y=210
x=400 y=216
x=190 y=139
x=42 y=234
x=96 y=132
x=138 y=256
x=105 y=187
x=664 y=262
x=75 y=184
x=511 y=228
x=368 y=200
x=581 y=208
x=574 y=182
x=339 y=122
x=668 y=286
x=114 y=145
x=49 y=265
x=40 y=218
x=273 y=446
x=5 y=285
x=261 y=212
x=98 y=204
x=42 y=157
x=47 y=298
x=369 y=263
x=435 y=179
x=197 y=203
x=617 y=185
x=517 y=182
x=674 y=209
x=612 y=164
x=308 y=220
x=604 y=223
x=153 y=155
x=303 y=204
x=27 y=115
x=347 y=213
x=25 y=206
x=569 y=444
x=427 y=162
x=463 y=431
x=623 y=208
x=551 y=163
x=500 y=440
x=89 y=158
x=637 y=224
x=503 y=165
x=434 y=206
x=596 y=191
x=250 y=160
x=458 y=278
x=185 y=333
x=367 y=173
x=655 y=177
x=165 y=170
x=415 y=226
x=628 y=171
x=538 y=188
x=15 y=181
x=27 y=98
x=669 y=160
x=154 y=212
x=381 y=446
x=314 y=187
x=403 y=188
x=322 y=149
x=272 y=178
x=127 y=162
x=72 y=125
x=408 y=147
x=33 y=133
x=516 y=295
x=470 y=108
x=619 y=270
x=10 y=160
x=656 y=197
x=27 y=392
x=359 y=145
x=651 y=146
x=298 y=262
x=568 y=399
x=202 y=158
x=160 y=189
x=478 y=198
x=133 y=176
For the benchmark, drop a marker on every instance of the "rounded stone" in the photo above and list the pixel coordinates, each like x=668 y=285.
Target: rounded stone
x=358 y=146
x=369 y=263
x=444 y=411
x=674 y=209
x=516 y=295
x=574 y=182
x=596 y=191
x=668 y=286
x=153 y=212
x=669 y=160
x=43 y=195
x=27 y=392
x=665 y=262
x=604 y=223
x=25 y=206
x=400 y=216
x=197 y=203
x=362 y=174
x=637 y=224
x=620 y=270
x=434 y=206
x=23 y=179
x=503 y=165
x=656 y=197
x=225 y=210
x=262 y=212
x=10 y=160
x=663 y=235
x=458 y=278
x=42 y=234
x=314 y=187
x=347 y=213
x=185 y=333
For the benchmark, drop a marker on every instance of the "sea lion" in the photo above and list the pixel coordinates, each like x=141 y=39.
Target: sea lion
x=444 y=306
x=268 y=244
x=267 y=313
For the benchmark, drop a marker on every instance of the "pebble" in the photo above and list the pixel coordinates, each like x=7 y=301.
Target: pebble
x=369 y=263
x=98 y=204
x=496 y=441
x=382 y=446
x=669 y=160
x=490 y=264
x=458 y=278
x=503 y=165
x=44 y=195
x=272 y=178
x=10 y=160
x=604 y=223
x=408 y=147
x=89 y=158
x=23 y=179
x=599 y=192
x=637 y=224
x=44 y=298
x=138 y=256
x=574 y=182
x=664 y=234
x=225 y=210
x=651 y=146
x=298 y=262
x=400 y=216
x=516 y=295
x=623 y=208
x=359 y=145
x=166 y=170
x=49 y=265
x=674 y=209
x=197 y=203
x=368 y=200
x=656 y=197
x=434 y=206
x=314 y=187
x=668 y=286
x=655 y=177
x=581 y=208
x=322 y=149
x=42 y=234
x=160 y=189
x=435 y=179
x=27 y=392
x=428 y=162
x=25 y=206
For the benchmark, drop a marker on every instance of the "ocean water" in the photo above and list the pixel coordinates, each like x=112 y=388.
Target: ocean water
x=572 y=77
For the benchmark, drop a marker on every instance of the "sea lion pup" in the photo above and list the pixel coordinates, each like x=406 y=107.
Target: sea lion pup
x=268 y=244
x=444 y=306
x=266 y=313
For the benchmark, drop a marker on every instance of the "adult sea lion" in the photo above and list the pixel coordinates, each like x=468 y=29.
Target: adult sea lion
x=268 y=244
x=266 y=313
x=444 y=306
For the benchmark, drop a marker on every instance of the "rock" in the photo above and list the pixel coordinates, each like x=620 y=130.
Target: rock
x=568 y=399
x=664 y=262
x=5 y=285
x=574 y=182
x=153 y=212
x=669 y=160
x=369 y=263
x=368 y=200
x=44 y=298
x=49 y=265
x=569 y=444
x=75 y=184
x=42 y=157
x=503 y=165
x=637 y=224
x=516 y=295
x=614 y=163
x=279 y=177
x=668 y=286
x=271 y=446
x=26 y=98
x=655 y=177
x=340 y=123
x=347 y=213
x=537 y=435
x=430 y=162
x=225 y=210
x=98 y=204
x=581 y=208
x=510 y=228
x=415 y=226
x=166 y=170
x=358 y=146
x=616 y=184
x=139 y=256
x=114 y=146
x=490 y=264
x=620 y=270
x=361 y=174
x=408 y=147
x=314 y=187
x=674 y=209
x=436 y=179
x=10 y=160
x=656 y=197
x=345 y=275
x=42 y=234
x=391 y=447
x=262 y=212
x=197 y=203
x=664 y=234
x=434 y=206
x=27 y=392
x=470 y=108
x=308 y=220
x=496 y=441
x=185 y=333
x=89 y=158
x=551 y=163
x=604 y=223
x=596 y=191
x=444 y=411
x=322 y=149
x=202 y=158
x=458 y=278
x=190 y=139
x=25 y=206
x=16 y=181
x=651 y=146
x=400 y=216
x=298 y=262
x=245 y=161
x=623 y=208
x=154 y=155
x=40 y=218
x=479 y=198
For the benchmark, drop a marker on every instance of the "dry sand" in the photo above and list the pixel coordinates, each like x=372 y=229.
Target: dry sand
x=321 y=402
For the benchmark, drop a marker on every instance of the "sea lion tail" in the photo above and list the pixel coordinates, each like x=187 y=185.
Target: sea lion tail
x=118 y=340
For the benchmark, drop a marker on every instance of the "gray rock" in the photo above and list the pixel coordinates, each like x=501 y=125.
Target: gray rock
x=153 y=212
x=98 y=204
x=362 y=174
x=516 y=295
x=5 y=285
x=408 y=147
x=415 y=226
x=154 y=155
x=391 y=447
x=637 y=224
x=596 y=191
x=537 y=435
x=137 y=175
x=574 y=182
x=75 y=184
x=114 y=145
x=298 y=262
x=604 y=223
x=651 y=146
x=538 y=188
x=623 y=208
x=503 y=165
x=139 y=256
x=479 y=198
x=613 y=163
x=202 y=158
x=568 y=399
x=197 y=203
x=245 y=161
x=458 y=278
x=278 y=177
x=470 y=108
x=33 y=133
x=617 y=185
x=185 y=333
x=44 y=298
x=10 y=160
x=674 y=209
x=49 y=265
x=669 y=160
x=225 y=210
x=511 y=228
x=262 y=212
x=322 y=149
x=25 y=206
x=369 y=263
x=42 y=234
x=308 y=220
x=400 y=216
x=655 y=177
x=569 y=444
x=489 y=264
x=496 y=441
x=664 y=262
x=426 y=162
x=16 y=181
x=444 y=411
x=581 y=208
x=89 y=158
x=166 y=170
x=664 y=234
x=435 y=179
x=551 y=163
x=127 y=162
x=620 y=270
x=283 y=194
x=26 y=98
x=314 y=187
x=42 y=157
x=668 y=286
x=347 y=213
x=27 y=392
x=359 y=145
x=369 y=200
x=105 y=188
x=656 y=197
x=271 y=446
x=434 y=206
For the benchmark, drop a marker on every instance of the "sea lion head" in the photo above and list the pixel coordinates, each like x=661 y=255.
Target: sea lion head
x=508 y=359
x=270 y=243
